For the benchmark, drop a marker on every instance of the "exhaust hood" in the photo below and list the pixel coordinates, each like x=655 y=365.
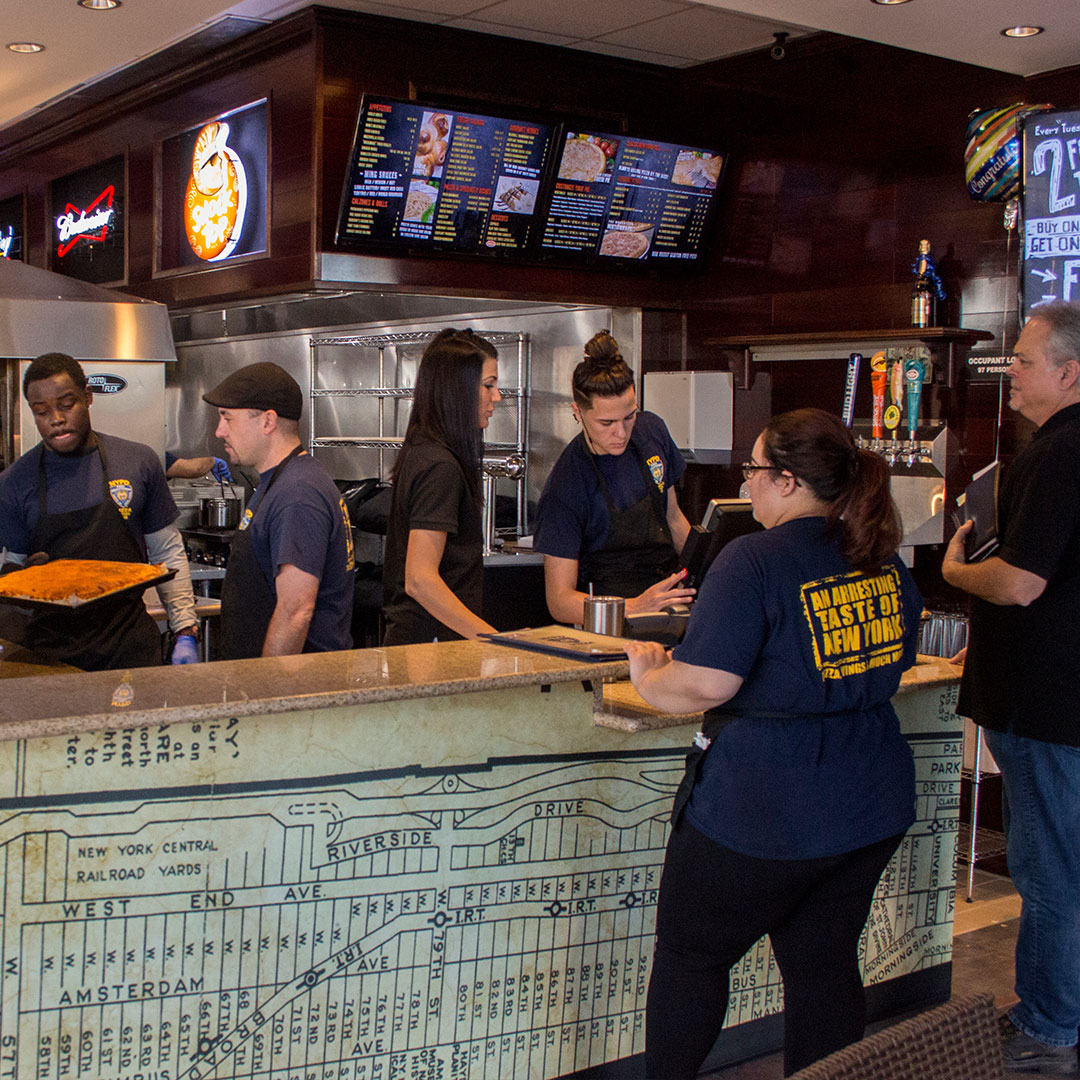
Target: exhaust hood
x=44 y=312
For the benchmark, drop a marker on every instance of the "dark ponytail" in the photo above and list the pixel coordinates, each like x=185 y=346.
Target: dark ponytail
x=818 y=449
x=603 y=372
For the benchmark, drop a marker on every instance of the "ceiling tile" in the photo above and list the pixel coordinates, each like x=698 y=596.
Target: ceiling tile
x=420 y=12
x=627 y=53
x=429 y=10
x=699 y=33
x=576 y=18
x=510 y=31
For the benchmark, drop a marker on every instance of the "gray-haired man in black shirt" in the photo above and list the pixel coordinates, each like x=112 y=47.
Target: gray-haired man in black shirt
x=1020 y=682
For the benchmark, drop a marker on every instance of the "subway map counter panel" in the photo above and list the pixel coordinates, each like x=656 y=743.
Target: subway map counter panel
x=452 y=885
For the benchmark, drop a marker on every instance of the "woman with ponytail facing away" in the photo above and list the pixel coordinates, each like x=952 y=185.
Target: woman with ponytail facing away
x=801 y=786
x=608 y=519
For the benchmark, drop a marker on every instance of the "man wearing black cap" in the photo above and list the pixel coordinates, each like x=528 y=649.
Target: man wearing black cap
x=289 y=583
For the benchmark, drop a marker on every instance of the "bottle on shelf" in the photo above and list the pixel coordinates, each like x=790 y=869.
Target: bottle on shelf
x=924 y=293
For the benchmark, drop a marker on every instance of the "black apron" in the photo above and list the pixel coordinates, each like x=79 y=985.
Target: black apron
x=107 y=634
x=639 y=549
x=247 y=599
x=715 y=721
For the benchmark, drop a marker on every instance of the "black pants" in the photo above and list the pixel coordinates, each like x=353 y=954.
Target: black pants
x=714 y=904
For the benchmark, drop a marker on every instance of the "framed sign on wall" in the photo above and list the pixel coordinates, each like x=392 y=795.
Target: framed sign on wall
x=87 y=226
x=1050 y=268
x=13 y=228
x=212 y=202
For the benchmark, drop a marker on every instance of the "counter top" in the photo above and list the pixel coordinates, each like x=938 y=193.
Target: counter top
x=95 y=701
x=622 y=708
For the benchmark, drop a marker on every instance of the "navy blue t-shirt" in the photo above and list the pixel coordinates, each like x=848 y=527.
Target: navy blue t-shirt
x=824 y=646
x=73 y=482
x=303 y=521
x=572 y=516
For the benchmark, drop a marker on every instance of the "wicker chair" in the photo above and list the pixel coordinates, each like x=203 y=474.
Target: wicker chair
x=955 y=1041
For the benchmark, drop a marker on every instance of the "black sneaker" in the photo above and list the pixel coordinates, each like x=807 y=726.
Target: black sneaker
x=1023 y=1054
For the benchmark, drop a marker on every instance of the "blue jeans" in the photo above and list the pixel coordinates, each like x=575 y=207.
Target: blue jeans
x=1041 y=810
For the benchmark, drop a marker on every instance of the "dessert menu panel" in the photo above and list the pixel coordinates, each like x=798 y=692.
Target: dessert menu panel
x=617 y=197
x=443 y=179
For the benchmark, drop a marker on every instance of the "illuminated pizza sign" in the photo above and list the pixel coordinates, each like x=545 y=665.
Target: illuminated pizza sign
x=11 y=228
x=87 y=227
x=213 y=190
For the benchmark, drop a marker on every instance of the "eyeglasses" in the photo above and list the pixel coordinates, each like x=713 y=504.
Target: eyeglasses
x=750 y=467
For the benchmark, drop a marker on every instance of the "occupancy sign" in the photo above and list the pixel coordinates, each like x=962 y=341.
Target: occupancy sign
x=428 y=177
x=1051 y=260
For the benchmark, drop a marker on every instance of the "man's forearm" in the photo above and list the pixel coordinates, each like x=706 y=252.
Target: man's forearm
x=995 y=581
x=167 y=546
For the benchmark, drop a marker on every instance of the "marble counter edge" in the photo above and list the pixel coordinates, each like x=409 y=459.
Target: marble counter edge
x=619 y=707
x=544 y=671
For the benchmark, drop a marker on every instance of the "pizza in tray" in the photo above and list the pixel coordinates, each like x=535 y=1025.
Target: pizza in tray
x=71 y=582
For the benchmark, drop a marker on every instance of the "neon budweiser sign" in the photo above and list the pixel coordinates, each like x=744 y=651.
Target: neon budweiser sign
x=91 y=224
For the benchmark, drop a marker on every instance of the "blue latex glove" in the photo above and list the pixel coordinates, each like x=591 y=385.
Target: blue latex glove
x=185 y=650
x=220 y=470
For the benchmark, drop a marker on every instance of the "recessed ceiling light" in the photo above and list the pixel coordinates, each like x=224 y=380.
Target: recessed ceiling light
x=886 y=3
x=1022 y=31
x=25 y=46
x=99 y=5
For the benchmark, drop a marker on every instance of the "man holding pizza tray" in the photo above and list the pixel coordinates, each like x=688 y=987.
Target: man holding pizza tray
x=85 y=495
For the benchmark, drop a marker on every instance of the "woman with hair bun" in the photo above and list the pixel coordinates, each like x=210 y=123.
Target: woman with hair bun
x=433 y=567
x=801 y=787
x=608 y=516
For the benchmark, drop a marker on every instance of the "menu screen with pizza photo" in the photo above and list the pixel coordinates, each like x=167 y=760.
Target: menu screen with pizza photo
x=630 y=200
x=424 y=177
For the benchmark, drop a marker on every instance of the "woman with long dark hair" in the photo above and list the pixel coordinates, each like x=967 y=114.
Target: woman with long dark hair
x=433 y=566
x=801 y=786
x=608 y=517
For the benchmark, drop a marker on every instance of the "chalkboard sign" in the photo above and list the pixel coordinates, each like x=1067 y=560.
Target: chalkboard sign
x=1051 y=253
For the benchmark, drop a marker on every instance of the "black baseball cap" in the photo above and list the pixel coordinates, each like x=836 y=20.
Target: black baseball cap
x=259 y=386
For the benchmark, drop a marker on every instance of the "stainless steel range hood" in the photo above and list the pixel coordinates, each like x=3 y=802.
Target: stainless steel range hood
x=44 y=312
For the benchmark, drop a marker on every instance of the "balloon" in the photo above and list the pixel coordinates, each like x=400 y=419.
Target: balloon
x=992 y=156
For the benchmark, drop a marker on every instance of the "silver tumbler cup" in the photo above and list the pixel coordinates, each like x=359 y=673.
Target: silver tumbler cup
x=604 y=615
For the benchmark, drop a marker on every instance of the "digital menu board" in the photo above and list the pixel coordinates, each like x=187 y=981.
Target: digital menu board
x=442 y=179
x=11 y=228
x=631 y=200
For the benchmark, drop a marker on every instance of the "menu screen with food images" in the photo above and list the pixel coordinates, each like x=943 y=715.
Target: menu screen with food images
x=623 y=198
x=442 y=179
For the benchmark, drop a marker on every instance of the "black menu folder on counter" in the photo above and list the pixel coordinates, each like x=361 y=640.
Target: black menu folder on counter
x=562 y=641
x=979 y=505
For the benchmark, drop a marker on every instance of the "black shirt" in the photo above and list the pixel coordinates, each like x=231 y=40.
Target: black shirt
x=431 y=492
x=1023 y=663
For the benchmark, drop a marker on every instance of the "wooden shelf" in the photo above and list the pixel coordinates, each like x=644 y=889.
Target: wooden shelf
x=947 y=344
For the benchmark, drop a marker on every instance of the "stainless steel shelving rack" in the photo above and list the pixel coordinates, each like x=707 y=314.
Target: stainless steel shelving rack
x=517 y=395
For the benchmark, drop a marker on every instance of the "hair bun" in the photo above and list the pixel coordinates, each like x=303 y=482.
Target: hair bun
x=602 y=351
